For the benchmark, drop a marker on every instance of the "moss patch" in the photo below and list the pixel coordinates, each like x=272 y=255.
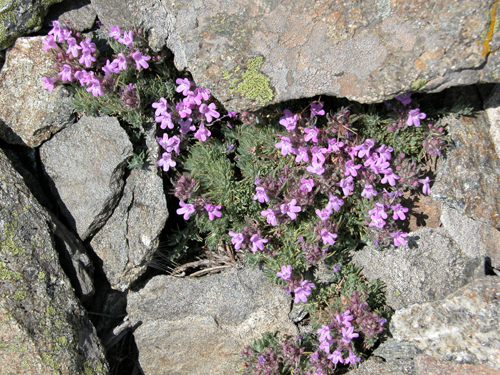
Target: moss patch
x=253 y=84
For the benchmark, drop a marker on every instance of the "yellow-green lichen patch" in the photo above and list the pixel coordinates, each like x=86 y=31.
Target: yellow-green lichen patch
x=49 y=361
x=253 y=84
x=62 y=340
x=19 y=295
x=8 y=243
x=419 y=84
x=491 y=30
x=6 y=274
x=41 y=275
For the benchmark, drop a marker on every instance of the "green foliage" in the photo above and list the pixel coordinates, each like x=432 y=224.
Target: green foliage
x=137 y=160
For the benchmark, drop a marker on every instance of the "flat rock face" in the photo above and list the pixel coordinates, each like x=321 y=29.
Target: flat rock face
x=463 y=327
x=129 y=238
x=366 y=51
x=429 y=268
x=86 y=164
x=44 y=328
x=469 y=178
x=29 y=114
x=196 y=326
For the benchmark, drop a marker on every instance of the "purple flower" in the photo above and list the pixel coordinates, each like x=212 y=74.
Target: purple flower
x=377 y=222
x=348 y=334
x=389 y=177
x=324 y=333
x=184 y=85
x=202 y=133
x=285 y=145
x=110 y=68
x=336 y=357
x=414 y=117
x=213 y=211
x=161 y=106
x=369 y=192
x=185 y=126
x=186 y=209
x=378 y=211
x=385 y=152
x=49 y=43
x=237 y=239
x=115 y=32
x=73 y=47
x=48 y=83
x=307 y=184
x=365 y=149
x=209 y=111
x=86 y=59
x=425 y=185
x=166 y=162
x=352 y=358
x=334 y=202
x=336 y=269
x=56 y=30
x=328 y=237
x=165 y=120
x=316 y=169
x=347 y=185
x=270 y=216
x=404 y=98
x=399 y=238
x=121 y=61
x=399 y=212
x=65 y=73
x=286 y=272
x=170 y=144
x=351 y=168
x=229 y=147
x=289 y=121
x=302 y=155
x=334 y=146
x=303 y=291
x=323 y=214
x=140 y=60
x=257 y=243
x=95 y=85
x=87 y=47
x=312 y=134
x=83 y=76
x=290 y=209
x=128 y=39
x=183 y=109
x=345 y=318
x=316 y=109
x=232 y=114
x=261 y=195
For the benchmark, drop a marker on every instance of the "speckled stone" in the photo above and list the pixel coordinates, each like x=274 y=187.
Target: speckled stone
x=365 y=51
x=464 y=327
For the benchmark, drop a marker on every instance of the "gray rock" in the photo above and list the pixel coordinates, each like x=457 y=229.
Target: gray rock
x=86 y=163
x=19 y=17
x=44 y=327
x=29 y=114
x=429 y=268
x=363 y=50
x=149 y=14
x=129 y=238
x=469 y=177
x=196 y=326
x=473 y=237
x=492 y=109
x=463 y=327
x=426 y=365
x=79 y=19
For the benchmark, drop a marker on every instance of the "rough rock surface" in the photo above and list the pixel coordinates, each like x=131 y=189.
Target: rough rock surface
x=430 y=267
x=363 y=50
x=492 y=109
x=29 y=114
x=473 y=237
x=196 y=326
x=150 y=14
x=86 y=163
x=79 y=14
x=463 y=327
x=468 y=179
x=427 y=365
x=44 y=329
x=19 y=17
x=129 y=238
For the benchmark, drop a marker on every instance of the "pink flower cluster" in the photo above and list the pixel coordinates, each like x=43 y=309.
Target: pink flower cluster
x=74 y=55
x=300 y=288
x=191 y=110
x=249 y=238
